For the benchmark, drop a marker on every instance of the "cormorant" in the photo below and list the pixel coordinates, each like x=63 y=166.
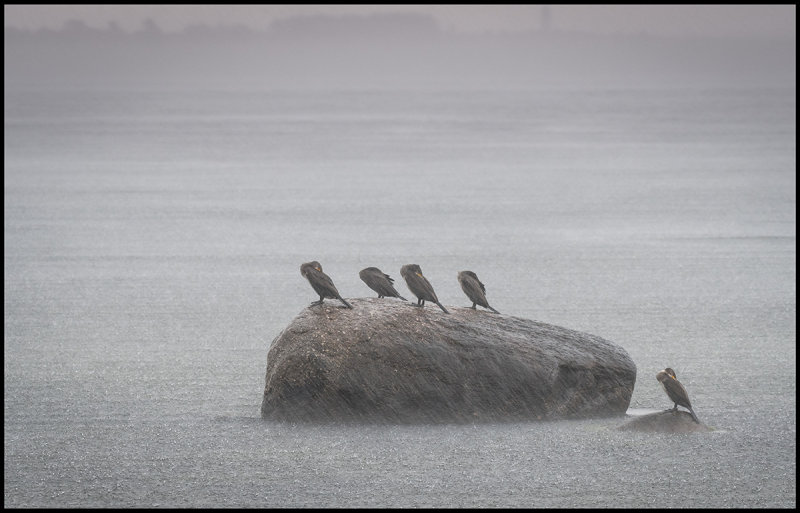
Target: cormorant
x=675 y=391
x=321 y=283
x=419 y=285
x=474 y=289
x=380 y=282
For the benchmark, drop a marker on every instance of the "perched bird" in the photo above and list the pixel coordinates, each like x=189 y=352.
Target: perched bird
x=419 y=285
x=675 y=391
x=474 y=289
x=321 y=283
x=379 y=282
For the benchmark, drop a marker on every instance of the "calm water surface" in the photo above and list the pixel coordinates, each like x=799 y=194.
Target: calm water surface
x=152 y=248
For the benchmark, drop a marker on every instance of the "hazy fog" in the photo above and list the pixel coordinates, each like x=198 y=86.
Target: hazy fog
x=657 y=20
x=393 y=50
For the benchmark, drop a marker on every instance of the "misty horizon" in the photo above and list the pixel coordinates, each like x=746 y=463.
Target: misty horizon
x=395 y=50
x=332 y=24
x=657 y=20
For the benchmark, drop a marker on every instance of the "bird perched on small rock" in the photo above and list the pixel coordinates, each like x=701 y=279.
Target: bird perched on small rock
x=474 y=289
x=321 y=283
x=380 y=282
x=419 y=285
x=675 y=391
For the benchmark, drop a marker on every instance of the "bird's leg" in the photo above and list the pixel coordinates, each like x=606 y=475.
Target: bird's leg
x=473 y=306
x=315 y=303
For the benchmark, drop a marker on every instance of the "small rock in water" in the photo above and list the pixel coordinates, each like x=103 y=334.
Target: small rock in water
x=664 y=422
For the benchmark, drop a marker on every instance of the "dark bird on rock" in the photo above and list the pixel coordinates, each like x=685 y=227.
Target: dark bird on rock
x=474 y=289
x=419 y=285
x=675 y=391
x=380 y=282
x=321 y=283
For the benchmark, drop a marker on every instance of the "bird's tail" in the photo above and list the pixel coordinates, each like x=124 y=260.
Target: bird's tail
x=492 y=309
x=401 y=297
x=348 y=305
x=694 y=416
x=443 y=308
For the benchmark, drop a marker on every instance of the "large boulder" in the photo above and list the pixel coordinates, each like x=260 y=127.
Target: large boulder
x=387 y=360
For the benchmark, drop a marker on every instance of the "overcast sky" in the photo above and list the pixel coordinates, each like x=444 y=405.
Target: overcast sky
x=667 y=20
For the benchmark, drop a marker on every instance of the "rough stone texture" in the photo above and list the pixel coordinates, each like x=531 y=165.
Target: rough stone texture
x=664 y=422
x=389 y=361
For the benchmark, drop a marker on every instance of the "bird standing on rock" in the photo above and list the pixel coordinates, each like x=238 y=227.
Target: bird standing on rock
x=675 y=391
x=474 y=289
x=321 y=283
x=380 y=282
x=419 y=285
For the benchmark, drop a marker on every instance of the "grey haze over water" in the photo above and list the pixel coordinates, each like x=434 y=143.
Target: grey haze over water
x=384 y=51
x=154 y=229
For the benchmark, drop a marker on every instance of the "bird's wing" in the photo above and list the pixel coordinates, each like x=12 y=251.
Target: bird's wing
x=325 y=278
x=429 y=288
x=676 y=390
x=475 y=277
x=474 y=289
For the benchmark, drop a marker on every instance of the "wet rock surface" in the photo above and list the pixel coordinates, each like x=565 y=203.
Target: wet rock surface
x=388 y=361
x=664 y=422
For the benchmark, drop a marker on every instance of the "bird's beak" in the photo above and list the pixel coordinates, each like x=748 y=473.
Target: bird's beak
x=419 y=274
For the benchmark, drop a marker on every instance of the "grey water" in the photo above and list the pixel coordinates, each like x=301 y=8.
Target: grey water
x=152 y=245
